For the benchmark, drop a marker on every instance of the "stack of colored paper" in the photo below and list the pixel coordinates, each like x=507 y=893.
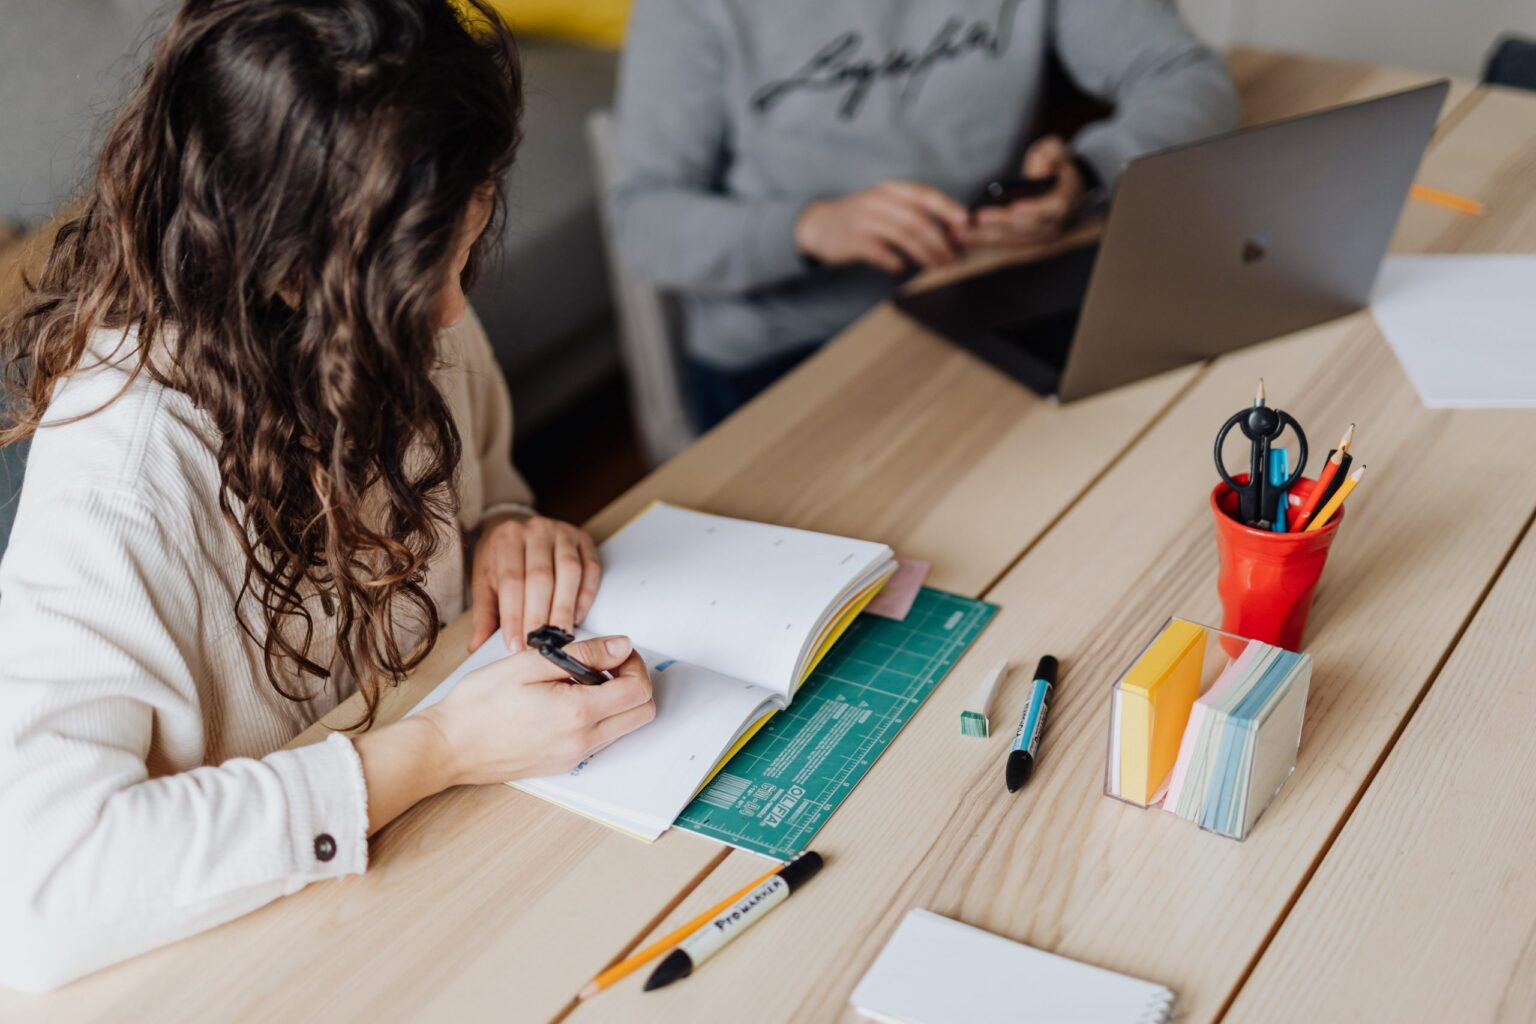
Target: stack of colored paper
x=1240 y=744
x=1150 y=706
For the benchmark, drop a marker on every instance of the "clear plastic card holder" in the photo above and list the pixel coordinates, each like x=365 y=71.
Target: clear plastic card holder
x=1240 y=701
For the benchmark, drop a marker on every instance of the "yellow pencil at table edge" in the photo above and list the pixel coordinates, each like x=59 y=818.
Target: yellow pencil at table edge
x=1449 y=200
x=1326 y=512
x=666 y=943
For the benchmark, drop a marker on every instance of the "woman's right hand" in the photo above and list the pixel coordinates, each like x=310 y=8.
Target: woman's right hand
x=521 y=716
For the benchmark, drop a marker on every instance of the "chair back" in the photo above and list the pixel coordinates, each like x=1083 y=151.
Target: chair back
x=646 y=320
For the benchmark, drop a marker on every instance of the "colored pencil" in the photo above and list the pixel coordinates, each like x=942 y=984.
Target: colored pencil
x=1337 y=500
x=1327 y=481
x=633 y=963
x=1315 y=498
x=1449 y=200
x=1346 y=460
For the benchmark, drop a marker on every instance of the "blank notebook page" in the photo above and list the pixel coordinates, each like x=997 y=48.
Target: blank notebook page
x=737 y=597
x=938 y=971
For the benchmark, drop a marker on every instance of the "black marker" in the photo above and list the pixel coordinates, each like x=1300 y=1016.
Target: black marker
x=1026 y=742
x=711 y=938
x=550 y=641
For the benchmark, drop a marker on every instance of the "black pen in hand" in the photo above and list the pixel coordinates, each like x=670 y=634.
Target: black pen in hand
x=550 y=641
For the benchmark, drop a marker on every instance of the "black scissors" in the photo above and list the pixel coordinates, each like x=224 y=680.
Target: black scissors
x=550 y=641
x=1259 y=497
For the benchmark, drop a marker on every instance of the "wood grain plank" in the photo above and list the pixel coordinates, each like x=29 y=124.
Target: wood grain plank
x=1061 y=866
x=485 y=902
x=889 y=434
x=1275 y=84
x=481 y=892
x=1494 y=161
x=1425 y=909
x=894 y=435
x=1066 y=869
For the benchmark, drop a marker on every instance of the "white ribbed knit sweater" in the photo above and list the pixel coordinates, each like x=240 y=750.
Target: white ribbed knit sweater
x=143 y=794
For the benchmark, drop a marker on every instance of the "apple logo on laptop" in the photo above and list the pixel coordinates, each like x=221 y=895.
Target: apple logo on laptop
x=1255 y=248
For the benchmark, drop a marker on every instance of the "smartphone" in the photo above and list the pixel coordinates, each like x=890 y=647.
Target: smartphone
x=1009 y=190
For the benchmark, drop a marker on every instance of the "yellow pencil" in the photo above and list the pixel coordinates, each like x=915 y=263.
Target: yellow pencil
x=1326 y=512
x=631 y=964
x=1449 y=200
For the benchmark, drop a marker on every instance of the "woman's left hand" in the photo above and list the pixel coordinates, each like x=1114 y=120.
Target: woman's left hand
x=531 y=572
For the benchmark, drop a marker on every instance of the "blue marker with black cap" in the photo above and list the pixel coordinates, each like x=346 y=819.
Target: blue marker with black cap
x=1026 y=742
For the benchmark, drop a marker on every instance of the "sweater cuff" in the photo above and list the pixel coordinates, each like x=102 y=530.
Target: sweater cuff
x=507 y=508
x=327 y=808
x=1105 y=148
x=769 y=244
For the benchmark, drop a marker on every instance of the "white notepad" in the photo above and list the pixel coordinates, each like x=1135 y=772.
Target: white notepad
x=938 y=971
x=1461 y=324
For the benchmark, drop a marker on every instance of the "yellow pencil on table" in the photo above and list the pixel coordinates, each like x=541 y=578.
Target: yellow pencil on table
x=665 y=944
x=1449 y=200
x=1326 y=512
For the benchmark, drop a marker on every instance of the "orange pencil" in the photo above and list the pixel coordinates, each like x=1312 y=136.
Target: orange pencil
x=1335 y=501
x=631 y=964
x=1324 y=478
x=1449 y=200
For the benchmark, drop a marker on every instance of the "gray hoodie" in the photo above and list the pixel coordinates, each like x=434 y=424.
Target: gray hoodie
x=734 y=114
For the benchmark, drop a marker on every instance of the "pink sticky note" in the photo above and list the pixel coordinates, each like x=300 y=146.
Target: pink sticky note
x=895 y=600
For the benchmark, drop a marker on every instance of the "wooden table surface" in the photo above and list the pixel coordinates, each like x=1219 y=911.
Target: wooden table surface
x=1389 y=880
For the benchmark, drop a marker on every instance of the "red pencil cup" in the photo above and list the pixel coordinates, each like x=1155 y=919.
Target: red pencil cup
x=1267 y=579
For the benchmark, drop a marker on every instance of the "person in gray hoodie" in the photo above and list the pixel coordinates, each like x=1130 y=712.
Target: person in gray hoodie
x=784 y=164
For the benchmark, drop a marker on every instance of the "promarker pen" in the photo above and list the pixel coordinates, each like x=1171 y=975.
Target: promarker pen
x=1026 y=742
x=711 y=938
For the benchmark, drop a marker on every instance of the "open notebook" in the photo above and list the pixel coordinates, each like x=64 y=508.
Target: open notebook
x=731 y=616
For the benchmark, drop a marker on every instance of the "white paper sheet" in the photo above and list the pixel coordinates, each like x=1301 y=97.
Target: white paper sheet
x=938 y=971
x=1463 y=326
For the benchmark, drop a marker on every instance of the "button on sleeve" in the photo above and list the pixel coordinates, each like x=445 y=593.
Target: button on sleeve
x=327 y=806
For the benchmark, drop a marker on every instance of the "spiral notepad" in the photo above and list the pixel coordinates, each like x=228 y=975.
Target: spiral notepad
x=938 y=971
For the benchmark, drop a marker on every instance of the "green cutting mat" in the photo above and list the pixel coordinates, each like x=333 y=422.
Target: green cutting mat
x=780 y=788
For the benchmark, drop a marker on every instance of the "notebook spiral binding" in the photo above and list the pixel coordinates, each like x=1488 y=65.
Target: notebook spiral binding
x=1159 y=1010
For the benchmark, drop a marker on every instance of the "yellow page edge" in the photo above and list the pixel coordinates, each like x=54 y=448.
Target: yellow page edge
x=585 y=814
x=834 y=630
x=838 y=626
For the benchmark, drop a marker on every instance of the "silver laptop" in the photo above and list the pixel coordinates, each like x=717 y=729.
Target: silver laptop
x=1209 y=247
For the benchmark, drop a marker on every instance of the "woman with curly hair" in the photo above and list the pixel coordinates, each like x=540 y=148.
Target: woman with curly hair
x=265 y=431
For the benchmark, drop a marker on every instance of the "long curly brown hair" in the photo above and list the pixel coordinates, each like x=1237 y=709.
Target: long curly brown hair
x=275 y=211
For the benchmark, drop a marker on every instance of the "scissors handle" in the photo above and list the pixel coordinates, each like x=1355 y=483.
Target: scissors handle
x=1258 y=493
x=1221 y=439
x=1287 y=420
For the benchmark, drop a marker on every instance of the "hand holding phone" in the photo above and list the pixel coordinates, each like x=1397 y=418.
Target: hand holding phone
x=1010 y=190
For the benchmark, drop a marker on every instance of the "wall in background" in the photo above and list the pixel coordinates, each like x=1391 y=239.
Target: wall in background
x=1450 y=36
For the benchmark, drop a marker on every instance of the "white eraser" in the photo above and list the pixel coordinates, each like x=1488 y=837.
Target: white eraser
x=974 y=720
